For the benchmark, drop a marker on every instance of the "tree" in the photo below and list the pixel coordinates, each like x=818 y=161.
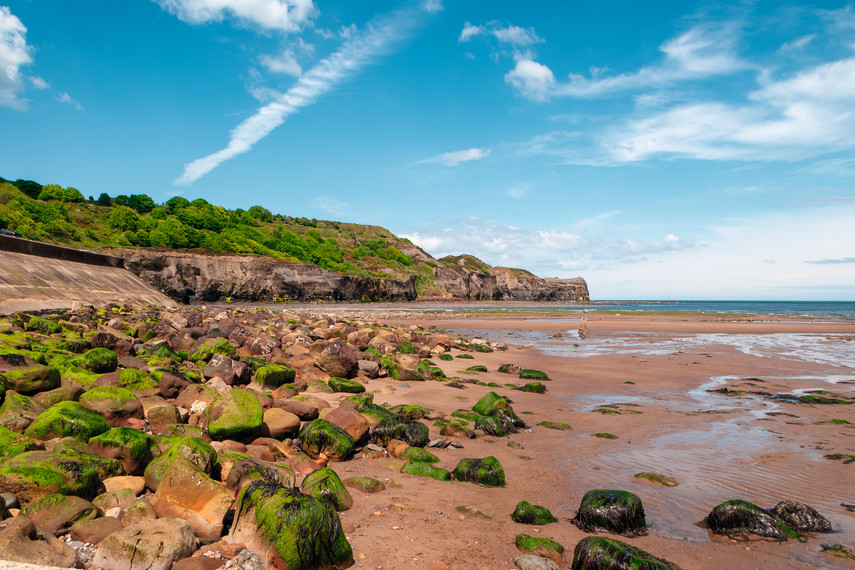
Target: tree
x=104 y=199
x=261 y=214
x=28 y=187
x=124 y=219
x=142 y=203
x=176 y=203
x=121 y=200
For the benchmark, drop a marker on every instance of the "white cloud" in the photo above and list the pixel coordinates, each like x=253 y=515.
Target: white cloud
x=39 y=83
x=533 y=80
x=283 y=63
x=281 y=15
x=511 y=35
x=797 y=44
x=14 y=54
x=458 y=156
x=357 y=52
x=432 y=6
x=66 y=98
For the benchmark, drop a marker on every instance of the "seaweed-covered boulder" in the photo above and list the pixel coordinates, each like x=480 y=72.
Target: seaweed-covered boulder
x=426 y=469
x=509 y=415
x=364 y=484
x=409 y=411
x=42 y=325
x=114 y=404
x=206 y=348
x=18 y=411
x=56 y=513
x=32 y=379
x=322 y=437
x=489 y=403
x=533 y=387
x=496 y=426
x=602 y=553
x=530 y=374
x=186 y=492
x=12 y=443
x=272 y=376
x=151 y=544
x=247 y=470
x=98 y=360
x=67 y=419
x=740 y=518
x=36 y=474
x=526 y=513
x=801 y=518
x=411 y=432
x=540 y=546
x=487 y=471
x=605 y=510
x=289 y=529
x=410 y=453
x=325 y=485
x=62 y=394
x=196 y=450
x=235 y=415
x=345 y=385
x=133 y=447
x=456 y=428
x=374 y=414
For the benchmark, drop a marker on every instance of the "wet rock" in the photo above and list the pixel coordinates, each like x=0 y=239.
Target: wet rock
x=287 y=528
x=538 y=546
x=526 y=513
x=800 y=517
x=487 y=471
x=344 y=385
x=426 y=469
x=21 y=542
x=610 y=554
x=740 y=518
x=532 y=562
x=489 y=403
x=151 y=544
x=411 y=432
x=604 y=510
x=322 y=437
x=249 y=470
x=325 y=485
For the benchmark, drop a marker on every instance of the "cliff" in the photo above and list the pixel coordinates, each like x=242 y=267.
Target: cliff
x=189 y=277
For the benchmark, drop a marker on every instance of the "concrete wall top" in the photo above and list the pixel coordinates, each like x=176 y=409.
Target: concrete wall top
x=20 y=245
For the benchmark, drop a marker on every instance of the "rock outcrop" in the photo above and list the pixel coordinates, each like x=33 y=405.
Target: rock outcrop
x=188 y=277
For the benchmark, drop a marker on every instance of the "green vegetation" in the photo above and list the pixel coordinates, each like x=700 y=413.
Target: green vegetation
x=555 y=425
x=604 y=435
x=657 y=478
x=526 y=513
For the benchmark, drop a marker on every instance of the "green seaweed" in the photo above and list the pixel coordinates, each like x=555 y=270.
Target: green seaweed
x=555 y=425
x=486 y=471
x=605 y=435
x=425 y=470
x=526 y=513
x=606 y=510
x=600 y=553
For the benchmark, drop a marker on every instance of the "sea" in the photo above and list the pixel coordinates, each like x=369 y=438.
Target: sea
x=830 y=309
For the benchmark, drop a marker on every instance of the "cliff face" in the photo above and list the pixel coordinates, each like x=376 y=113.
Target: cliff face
x=204 y=278
x=189 y=278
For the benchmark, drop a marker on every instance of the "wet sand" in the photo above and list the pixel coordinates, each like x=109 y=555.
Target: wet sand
x=654 y=371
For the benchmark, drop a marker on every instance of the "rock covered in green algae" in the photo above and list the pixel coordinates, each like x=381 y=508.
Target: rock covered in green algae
x=196 y=450
x=606 y=510
x=98 y=360
x=530 y=374
x=526 y=513
x=426 y=469
x=801 y=518
x=290 y=528
x=325 y=485
x=409 y=411
x=12 y=443
x=364 y=484
x=418 y=454
x=247 y=469
x=540 y=546
x=486 y=471
x=320 y=436
x=56 y=513
x=272 y=376
x=344 y=385
x=32 y=379
x=36 y=474
x=739 y=518
x=67 y=419
x=235 y=415
x=601 y=553
x=533 y=387
x=498 y=427
x=57 y=395
x=208 y=347
x=133 y=447
x=18 y=412
x=489 y=403
x=411 y=432
x=113 y=403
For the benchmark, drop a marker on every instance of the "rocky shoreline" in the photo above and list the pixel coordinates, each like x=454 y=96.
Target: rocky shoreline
x=213 y=437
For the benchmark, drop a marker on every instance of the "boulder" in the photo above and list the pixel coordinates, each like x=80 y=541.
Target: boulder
x=800 y=517
x=231 y=371
x=186 y=492
x=160 y=416
x=740 y=518
x=288 y=529
x=279 y=424
x=350 y=421
x=236 y=415
x=364 y=484
x=619 y=512
x=150 y=544
x=336 y=359
x=12 y=444
x=32 y=379
x=67 y=419
x=489 y=403
x=133 y=447
x=55 y=514
x=98 y=360
x=322 y=437
x=411 y=432
x=94 y=531
x=344 y=385
x=121 y=498
x=426 y=469
x=114 y=404
x=19 y=411
x=246 y=471
x=140 y=510
x=305 y=412
x=36 y=474
x=57 y=395
x=272 y=376
x=487 y=471
x=201 y=454
x=205 y=349
x=21 y=542
x=325 y=485
x=610 y=554
x=540 y=546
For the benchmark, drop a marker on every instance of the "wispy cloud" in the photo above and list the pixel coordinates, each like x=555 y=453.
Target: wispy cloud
x=833 y=261
x=332 y=206
x=355 y=53
x=512 y=35
x=458 y=156
x=518 y=190
x=68 y=100
x=14 y=54
x=285 y=62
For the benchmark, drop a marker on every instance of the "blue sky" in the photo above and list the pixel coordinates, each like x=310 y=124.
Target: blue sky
x=660 y=150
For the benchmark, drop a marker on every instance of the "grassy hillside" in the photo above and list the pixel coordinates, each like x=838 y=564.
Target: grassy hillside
x=63 y=216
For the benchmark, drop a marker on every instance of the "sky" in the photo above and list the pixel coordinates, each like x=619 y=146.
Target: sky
x=664 y=150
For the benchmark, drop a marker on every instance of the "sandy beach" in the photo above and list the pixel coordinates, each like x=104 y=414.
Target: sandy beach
x=644 y=379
